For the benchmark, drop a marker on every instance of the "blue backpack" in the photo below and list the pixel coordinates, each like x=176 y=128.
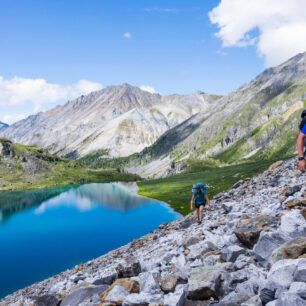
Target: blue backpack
x=202 y=187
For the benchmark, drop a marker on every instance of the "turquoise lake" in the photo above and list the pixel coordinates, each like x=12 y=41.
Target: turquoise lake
x=44 y=232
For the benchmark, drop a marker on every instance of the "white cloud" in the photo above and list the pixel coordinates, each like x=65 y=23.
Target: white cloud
x=19 y=91
x=148 y=88
x=280 y=26
x=9 y=119
x=127 y=35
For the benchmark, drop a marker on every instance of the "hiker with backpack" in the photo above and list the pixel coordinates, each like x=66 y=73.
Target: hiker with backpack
x=199 y=198
x=301 y=142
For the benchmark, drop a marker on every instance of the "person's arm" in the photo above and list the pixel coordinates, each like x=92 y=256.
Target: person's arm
x=300 y=147
x=207 y=201
x=191 y=202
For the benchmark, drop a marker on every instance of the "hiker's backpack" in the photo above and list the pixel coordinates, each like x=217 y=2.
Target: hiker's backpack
x=202 y=186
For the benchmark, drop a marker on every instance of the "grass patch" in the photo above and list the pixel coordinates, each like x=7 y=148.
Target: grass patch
x=176 y=190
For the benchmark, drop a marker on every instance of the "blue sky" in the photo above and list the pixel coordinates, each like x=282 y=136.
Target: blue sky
x=170 y=46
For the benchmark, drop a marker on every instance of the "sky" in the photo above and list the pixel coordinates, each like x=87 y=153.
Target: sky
x=52 y=51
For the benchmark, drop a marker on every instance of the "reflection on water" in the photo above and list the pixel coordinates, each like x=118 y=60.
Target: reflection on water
x=44 y=232
x=116 y=196
x=12 y=202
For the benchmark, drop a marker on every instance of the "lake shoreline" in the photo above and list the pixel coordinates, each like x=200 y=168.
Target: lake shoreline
x=183 y=261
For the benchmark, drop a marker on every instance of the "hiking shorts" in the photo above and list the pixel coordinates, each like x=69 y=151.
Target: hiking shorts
x=197 y=205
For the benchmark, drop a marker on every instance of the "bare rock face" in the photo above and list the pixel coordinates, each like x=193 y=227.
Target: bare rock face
x=291 y=249
x=248 y=229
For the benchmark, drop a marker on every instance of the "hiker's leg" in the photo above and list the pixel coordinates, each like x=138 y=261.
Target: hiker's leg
x=198 y=213
x=201 y=212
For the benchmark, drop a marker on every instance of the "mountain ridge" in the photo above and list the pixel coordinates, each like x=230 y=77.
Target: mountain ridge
x=258 y=119
x=121 y=119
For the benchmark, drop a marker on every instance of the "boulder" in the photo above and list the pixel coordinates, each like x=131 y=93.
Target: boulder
x=169 y=283
x=293 y=224
x=290 y=299
x=149 y=283
x=233 y=299
x=300 y=273
x=293 y=190
x=247 y=287
x=142 y=298
x=282 y=272
x=116 y=294
x=298 y=288
x=190 y=241
x=267 y=243
x=253 y=301
x=129 y=286
x=176 y=298
x=129 y=268
x=248 y=229
x=83 y=294
x=294 y=204
x=47 y=300
x=227 y=207
x=232 y=252
x=205 y=282
x=108 y=279
x=291 y=249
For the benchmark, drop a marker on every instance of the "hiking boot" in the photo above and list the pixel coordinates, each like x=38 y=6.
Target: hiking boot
x=199 y=222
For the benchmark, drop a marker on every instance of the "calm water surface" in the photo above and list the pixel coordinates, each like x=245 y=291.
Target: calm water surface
x=44 y=232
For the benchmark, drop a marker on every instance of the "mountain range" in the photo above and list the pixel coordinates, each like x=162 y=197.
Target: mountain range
x=121 y=120
x=166 y=134
x=258 y=120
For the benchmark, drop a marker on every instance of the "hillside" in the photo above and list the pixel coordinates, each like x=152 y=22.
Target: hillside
x=249 y=250
x=257 y=121
x=30 y=167
x=120 y=120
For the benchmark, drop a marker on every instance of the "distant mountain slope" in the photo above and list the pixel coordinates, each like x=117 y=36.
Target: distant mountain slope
x=30 y=167
x=118 y=119
x=259 y=120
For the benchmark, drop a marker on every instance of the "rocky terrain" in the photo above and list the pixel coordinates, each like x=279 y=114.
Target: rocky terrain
x=121 y=120
x=249 y=250
x=258 y=120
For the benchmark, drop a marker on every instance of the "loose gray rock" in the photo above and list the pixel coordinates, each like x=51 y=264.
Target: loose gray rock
x=83 y=294
x=232 y=252
x=298 y=288
x=149 y=283
x=128 y=269
x=169 y=283
x=290 y=299
x=47 y=300
x=142 y=298
x=267 y=243
x=205 y=282
x=253 y=301
x=106 y=280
